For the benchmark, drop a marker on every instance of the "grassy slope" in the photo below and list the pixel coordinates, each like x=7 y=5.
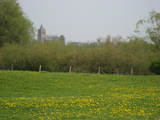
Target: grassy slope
x=34 y=95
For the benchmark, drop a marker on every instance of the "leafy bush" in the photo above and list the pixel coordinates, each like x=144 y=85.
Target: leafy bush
x=155 y=66
x=56 y=57
x=106 y=70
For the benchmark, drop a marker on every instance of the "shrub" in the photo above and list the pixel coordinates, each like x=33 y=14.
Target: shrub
x=155 y=66
x=106 y=70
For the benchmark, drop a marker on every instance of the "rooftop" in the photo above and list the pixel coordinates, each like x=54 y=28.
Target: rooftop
x=52 y=37
x=41 y=27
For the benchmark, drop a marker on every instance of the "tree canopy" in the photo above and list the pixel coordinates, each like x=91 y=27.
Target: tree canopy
x=151 y=28
x=15 y=27
x=62 y=39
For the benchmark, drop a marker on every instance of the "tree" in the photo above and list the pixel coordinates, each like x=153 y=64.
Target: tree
x=62 y=39
x=15 y=27
x=99 y=40
x=151 y=27
x=155 y=66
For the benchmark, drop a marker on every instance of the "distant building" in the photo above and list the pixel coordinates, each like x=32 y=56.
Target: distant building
x=42 y=37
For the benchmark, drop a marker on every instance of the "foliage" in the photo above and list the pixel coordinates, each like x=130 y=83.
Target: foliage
x=151 y=27
x=42 y=96
x=106 y=70
x=62 y=39
x=15 y=27
x=110 y=55
x=155 y=66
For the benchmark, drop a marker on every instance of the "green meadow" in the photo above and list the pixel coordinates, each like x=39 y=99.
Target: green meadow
x=26 y=95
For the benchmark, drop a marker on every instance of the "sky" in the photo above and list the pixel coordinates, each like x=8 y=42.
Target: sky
x=86 y=20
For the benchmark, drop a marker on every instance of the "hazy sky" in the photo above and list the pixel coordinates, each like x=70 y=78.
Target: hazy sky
x=86 y=20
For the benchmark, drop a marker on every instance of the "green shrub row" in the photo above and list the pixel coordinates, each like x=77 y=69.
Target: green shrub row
x=55 y=57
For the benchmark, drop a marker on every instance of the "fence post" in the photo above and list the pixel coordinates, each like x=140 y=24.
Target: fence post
x=12 y=67
x=131 y=71
x=99 y=70
x=70 y=69
x=40 y=68
x=117 y=71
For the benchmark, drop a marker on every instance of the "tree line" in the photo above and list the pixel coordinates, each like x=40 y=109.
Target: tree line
x=109 y=54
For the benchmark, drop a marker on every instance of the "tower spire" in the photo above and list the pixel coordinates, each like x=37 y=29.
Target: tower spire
x=41 y=34
x=41 y=27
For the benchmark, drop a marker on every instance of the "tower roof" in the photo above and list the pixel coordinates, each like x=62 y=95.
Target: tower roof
x=41 y=27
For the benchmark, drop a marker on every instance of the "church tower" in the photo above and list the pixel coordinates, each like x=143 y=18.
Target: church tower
x=41 y=34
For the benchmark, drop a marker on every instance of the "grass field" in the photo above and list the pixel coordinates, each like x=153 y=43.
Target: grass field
x=28 y=95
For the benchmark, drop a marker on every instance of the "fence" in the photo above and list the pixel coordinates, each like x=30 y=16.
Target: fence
x=42 y=68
